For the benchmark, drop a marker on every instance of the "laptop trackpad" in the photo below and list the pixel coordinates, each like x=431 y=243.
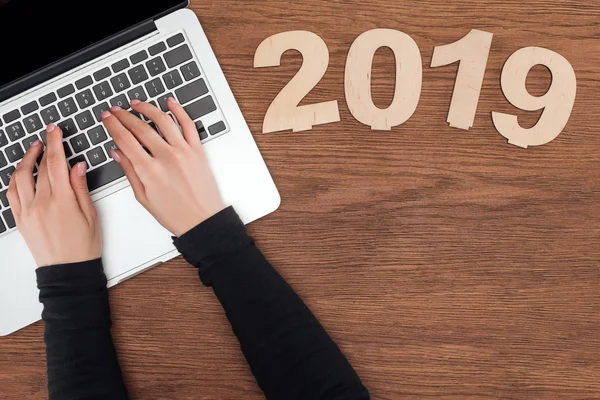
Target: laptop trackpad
x=131 y=237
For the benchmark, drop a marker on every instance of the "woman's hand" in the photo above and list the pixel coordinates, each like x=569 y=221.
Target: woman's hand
x=56 y=217
x=174 y=182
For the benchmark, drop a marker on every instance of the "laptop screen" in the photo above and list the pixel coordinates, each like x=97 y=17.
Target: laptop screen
x=35 y=33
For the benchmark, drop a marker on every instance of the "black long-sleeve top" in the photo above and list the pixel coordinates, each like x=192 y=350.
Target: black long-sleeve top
x=289 y=352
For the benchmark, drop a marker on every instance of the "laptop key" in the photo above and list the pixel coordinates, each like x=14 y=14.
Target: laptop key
x=68 y=127
x=155 y=87
x=175 y=40
x=201 y=131
x=50 y=115
x=96 y=156
x=14 y=152
x=139 y=57
x=9 y=218
x=156 y=66
x=97 y=135
x=217 y=128
x=47 y=99
x=120 y=101
x=15 y=131
x=120 y=65
x=103 y=91
x=172 y=79
x=84 y=120
x=120 y=83
x=5 y=175
x=191 y=91
x=85 y=98
x=3 y=162
x=2 y=227
x=157 y=48
x=162 y=101
x=137 y=93
x=67 y=107
x=29 y=107
x=74 y=161
x=12 y=116
x=3 y=139
x=201 y=107
x=110 y=146
x=102 y=74
x=138 y=74
x=190 y=71
x=80 y=143
x=84 y=82
x=68 y=152
x=99 y=109
x=104 y=175
x=33 y=123
x=4 y=198
x=28 y=141
x=178 y=56
x=65 y=91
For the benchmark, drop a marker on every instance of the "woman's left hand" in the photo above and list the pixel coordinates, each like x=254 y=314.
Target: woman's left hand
x=56 y=217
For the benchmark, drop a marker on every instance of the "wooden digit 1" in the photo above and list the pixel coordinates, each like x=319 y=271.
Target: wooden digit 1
x=557 y=102
x=409 y=78
x=284 y=113
x=472 y=52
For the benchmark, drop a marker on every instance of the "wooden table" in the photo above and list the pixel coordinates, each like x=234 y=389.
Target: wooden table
x=446 y=263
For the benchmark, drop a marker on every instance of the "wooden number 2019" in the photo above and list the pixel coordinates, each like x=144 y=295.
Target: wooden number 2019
x=471 y=51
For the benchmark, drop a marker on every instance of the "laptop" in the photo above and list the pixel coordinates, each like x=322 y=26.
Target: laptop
x=65 y=62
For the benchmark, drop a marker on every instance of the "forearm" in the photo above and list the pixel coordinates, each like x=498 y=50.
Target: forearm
x=82 y=362
x=289 y=352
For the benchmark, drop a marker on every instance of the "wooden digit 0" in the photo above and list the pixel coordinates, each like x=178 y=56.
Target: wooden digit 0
x=472 y=51
x=284 y=113
x=557 y=102
x=409 y=78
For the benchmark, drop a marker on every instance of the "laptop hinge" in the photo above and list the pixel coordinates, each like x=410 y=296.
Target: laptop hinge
x=77 y=59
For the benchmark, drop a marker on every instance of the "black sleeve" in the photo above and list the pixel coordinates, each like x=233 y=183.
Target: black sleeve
x=289 y=352
x=82 y=362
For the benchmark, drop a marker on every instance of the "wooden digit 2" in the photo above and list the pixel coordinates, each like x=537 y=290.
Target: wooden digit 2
x=284 y=112
x=557 y=102
x=472 y=51
x=409 y=77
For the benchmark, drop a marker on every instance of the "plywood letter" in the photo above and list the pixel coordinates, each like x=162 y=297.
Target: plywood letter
x=409 y=78
x=284 y=112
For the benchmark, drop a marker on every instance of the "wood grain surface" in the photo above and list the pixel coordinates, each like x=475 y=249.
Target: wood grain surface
x=447 y=264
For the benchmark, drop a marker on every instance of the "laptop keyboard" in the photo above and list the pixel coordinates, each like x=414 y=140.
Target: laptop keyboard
x=154 y=73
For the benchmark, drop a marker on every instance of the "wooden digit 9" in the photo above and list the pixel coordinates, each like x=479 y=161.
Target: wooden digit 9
x=284 y=112
x=557 y=102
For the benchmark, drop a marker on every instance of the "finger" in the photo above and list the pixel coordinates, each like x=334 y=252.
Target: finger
x=43 y=189
x=125 y=140
x=190 y=133
x=168 y=128
x=147 y=136
x=24 y=174
x=13 y=198
x=136 y=183
x=56 y=162
x=80 y=188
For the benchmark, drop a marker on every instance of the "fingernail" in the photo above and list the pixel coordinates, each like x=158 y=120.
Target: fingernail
x=36 y=143
x=50 y=128
x=172 y=100
x=17 y=167
x=105 y=114
x=115 y=155
x=115 y=109
x=134 y=102
x=81 y=168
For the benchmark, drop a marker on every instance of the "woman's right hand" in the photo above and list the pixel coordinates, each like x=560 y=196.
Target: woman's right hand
x=174 y=182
